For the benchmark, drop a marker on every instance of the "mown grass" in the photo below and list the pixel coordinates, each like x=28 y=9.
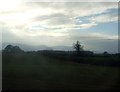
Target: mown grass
x=39 y=72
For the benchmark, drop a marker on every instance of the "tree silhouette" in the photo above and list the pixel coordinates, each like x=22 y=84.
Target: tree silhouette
x=12 y=49
x=77 y=46
x=105 y=53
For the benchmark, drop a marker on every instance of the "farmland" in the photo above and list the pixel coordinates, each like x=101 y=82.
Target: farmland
x=36 y=71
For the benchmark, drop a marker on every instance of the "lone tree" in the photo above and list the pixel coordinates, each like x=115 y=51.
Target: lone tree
x=78 y=47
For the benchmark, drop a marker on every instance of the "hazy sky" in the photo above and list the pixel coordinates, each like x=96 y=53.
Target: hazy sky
x=94 y=24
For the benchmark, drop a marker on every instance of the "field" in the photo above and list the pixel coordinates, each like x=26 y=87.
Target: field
x=30 y=71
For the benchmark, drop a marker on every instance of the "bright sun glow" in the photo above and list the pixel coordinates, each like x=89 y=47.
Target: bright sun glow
x=7 y=5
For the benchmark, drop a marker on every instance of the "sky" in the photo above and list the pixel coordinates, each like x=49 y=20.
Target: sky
x=94 y=24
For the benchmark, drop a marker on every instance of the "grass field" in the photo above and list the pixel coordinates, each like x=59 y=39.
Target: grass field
x=40 y=72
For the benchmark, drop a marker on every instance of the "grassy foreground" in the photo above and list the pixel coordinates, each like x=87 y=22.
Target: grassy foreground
x=40 y=72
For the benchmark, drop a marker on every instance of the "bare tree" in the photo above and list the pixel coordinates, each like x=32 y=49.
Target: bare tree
x=77 y=46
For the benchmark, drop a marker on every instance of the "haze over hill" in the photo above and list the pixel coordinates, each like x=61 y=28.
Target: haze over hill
x=26 y=47
x=40 y=47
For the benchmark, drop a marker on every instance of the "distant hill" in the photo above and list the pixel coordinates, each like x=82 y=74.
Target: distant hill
x=44 y=47
x=13 y=49
x=36 y=48
x=65 y=48
x=26 y=47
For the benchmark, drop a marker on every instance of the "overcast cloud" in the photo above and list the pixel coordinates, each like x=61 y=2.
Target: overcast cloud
x=54 y=23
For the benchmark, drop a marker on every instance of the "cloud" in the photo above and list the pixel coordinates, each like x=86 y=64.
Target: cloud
x=64 y=14
x=53 y=23
x=91 y=36
x=74 y=0
x=104 y=18
x=9 y=36
x=104 y=36
x=54 y=14
x=87 y=25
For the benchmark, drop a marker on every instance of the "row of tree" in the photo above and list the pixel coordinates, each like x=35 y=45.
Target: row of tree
x=77 y=46
x=79 y=49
